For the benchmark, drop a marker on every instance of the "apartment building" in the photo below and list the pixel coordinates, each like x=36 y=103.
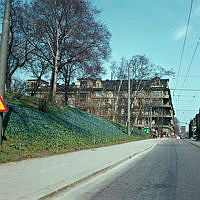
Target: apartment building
x=194 y=126
x=151 y=104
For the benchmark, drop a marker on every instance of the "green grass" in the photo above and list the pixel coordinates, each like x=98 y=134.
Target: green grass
x=32 y=133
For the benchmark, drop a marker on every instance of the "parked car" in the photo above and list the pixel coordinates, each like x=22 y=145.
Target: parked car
x=194 y=138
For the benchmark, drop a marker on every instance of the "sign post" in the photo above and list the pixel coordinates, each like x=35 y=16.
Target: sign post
x=147 y=130
x=4 y=55
x=3 y=107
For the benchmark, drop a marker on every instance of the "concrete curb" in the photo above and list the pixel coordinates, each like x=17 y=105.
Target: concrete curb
x=98 y=172
x=193 y=143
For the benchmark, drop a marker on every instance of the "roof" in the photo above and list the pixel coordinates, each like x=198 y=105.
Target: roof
x=36 y=80
x=142 y=84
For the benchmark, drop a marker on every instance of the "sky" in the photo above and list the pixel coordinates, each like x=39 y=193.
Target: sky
x=157 y=29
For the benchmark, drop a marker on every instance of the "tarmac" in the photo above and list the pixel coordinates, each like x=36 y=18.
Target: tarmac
x=41 y=178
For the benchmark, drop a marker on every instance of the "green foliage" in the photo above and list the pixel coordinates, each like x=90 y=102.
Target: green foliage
x=33 y=133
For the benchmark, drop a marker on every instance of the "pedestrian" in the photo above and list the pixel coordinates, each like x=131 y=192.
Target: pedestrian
x=161 y=134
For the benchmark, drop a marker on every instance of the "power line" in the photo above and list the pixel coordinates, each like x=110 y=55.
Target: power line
x=190 y=65
x=185 y=89
x=185 y=100
x=189 y=76
x=188 y=110
x=183 y=48
x=182 y=95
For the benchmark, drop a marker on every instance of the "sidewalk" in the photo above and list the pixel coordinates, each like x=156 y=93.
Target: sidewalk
x=36 y=178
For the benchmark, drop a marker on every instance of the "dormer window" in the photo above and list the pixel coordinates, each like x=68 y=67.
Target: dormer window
x=157 y=83
x=83 y=83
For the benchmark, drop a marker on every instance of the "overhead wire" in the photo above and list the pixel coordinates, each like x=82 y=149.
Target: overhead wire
x=183 y=48
x=185 y=38
x=189 y=67
x=189 y=76
x=194 y=100
x=187 y=89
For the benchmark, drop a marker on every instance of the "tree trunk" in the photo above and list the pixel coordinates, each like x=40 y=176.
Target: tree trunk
x=66 y=92
x=8 y=83
x=52 y=92
x=36 y=86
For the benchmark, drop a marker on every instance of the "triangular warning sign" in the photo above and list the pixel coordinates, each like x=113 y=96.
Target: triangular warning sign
x=3 y=107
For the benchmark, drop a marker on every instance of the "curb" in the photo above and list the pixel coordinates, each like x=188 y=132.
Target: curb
x=194 y=144
x=98 y=172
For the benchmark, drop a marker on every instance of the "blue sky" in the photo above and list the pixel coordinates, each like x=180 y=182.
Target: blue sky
x=157 y=29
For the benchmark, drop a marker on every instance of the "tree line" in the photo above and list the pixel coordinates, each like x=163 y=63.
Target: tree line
x=61 y=39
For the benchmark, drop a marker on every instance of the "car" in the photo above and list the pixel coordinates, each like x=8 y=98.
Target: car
x=194 y=138
x=178 y=137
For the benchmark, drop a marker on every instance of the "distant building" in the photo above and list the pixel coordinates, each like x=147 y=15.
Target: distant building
x=183 y=129
x=192 y=128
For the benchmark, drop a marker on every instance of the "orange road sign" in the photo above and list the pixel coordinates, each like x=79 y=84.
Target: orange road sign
x=3 y=107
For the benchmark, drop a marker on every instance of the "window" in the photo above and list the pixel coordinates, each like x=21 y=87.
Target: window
x=84 y=83
x=97 y=94
x=104 y=111
x=157 y=93
x=139 y=121
x=83 y=97
x=106 y=100
x=157 y=101
x=97 y=101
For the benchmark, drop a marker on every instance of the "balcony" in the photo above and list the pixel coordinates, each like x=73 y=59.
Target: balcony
x=166 y=96
x=167 y=105
x=168 y=115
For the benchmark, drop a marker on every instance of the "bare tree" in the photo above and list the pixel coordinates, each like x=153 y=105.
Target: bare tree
x=65 y=34
x=18 y=48
x=19 y=86
x=38 y=69
x=119 y=72
x=142 y=72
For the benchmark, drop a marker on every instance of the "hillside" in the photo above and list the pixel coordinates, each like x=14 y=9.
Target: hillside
x=33 y=133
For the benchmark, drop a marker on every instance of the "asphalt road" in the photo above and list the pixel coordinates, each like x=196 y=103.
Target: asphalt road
x=170 y=171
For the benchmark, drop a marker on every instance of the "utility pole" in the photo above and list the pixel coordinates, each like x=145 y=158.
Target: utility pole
x=4 y=53
x=129 y=101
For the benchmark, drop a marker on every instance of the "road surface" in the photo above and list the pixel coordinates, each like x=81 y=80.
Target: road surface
x=170 y=171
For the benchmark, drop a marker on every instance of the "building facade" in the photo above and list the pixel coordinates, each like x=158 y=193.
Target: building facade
x=194 y=126
x=151 y=104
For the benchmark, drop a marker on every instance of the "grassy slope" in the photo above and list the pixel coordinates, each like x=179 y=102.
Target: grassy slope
x=32 y=133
